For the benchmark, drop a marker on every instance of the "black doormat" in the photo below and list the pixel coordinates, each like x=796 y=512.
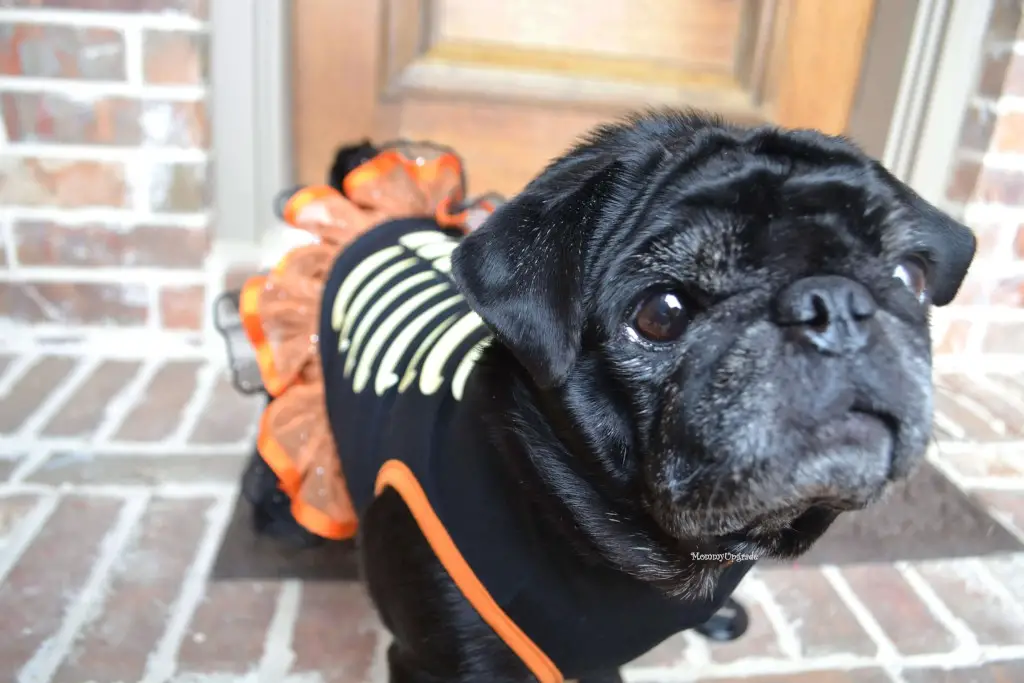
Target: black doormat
x=925 y=518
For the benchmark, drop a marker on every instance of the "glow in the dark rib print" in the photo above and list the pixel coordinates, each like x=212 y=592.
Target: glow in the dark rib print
x=363 y=330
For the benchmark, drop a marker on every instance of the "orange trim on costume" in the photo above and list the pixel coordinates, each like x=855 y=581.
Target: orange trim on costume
x=371 y=169
x=290 y=482
x=398 y=476
x=277 y=459
x=444 y=217
x=317 y=521
x=301 y=199
x=429 y=171
x=249 y=311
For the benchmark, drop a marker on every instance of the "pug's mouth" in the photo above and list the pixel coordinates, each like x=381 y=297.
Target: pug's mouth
x=850 y=467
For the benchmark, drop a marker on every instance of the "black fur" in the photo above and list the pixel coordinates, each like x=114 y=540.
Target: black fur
x=735 y=438
x=346 y=159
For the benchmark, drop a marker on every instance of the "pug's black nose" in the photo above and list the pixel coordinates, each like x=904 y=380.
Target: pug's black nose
x=830 y=312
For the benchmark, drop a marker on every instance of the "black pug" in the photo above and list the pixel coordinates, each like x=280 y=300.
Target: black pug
x=707 y=340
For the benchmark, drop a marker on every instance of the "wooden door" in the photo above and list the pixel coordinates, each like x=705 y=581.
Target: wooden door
x=511 y=83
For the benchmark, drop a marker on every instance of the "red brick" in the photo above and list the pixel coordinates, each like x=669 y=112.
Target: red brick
x=1000 y=672
x=228 y=417
x=43 y=243
x=75 y=303
x=158 y=414
x=1009 y=133
x=62 y=183
x=973 y=290
x=975 y=427
x=173 y=57
x=228 y=630
x=1003 y=337
x=238 y=273
x=13 y=510
x=179 y=188
x=967 y=386
x=995 y=64
x=1009 y=504
x=57 y=118
x=31 y=390
x=1014 y=83
x=954 y=338
x=993 y=621
x=991 y=239
x=139 y=470
x=962 y=181
x=196 y=8
x=49 y=51
x=146 y=582
x=49 y=575
x=85 y=410
x=823 y=623
x=976 y=131
x=1000 y=185
x=1009 y=571
x=8 y=463
x=985 y=464
x=1008 y=292
x=183 y=308
x=175 y=124
x=899 y=610
x=337 y=632
x=855 y=676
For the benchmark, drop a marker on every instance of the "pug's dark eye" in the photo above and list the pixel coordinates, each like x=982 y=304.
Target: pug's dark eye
x=661 y=317
x=914 y=276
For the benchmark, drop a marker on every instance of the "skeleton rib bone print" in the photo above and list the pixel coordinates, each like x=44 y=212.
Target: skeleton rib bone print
x=398 y=318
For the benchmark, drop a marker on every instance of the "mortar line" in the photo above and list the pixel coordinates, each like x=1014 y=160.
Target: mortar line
x=965 y=637
x=278 y=654
x=206 y=380
x=113 y=20
x=121 y=405
x=994 y=585
x=58 y=398
x=87 y=606
x=18 y=368
x=163 y=661
x=785 y=635
x=887 y=650
x=25 y=532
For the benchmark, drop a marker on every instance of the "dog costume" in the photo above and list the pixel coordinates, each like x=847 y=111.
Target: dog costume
x=367 y=354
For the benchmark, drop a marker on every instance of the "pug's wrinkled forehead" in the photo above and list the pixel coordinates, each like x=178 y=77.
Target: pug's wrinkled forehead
x=688 y=198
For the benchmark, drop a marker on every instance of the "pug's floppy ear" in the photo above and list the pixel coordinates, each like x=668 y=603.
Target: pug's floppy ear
x=950 y=244
x=522 y=272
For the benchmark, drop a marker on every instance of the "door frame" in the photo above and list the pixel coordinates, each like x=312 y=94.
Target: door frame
x=250 y=101
x=909 y=117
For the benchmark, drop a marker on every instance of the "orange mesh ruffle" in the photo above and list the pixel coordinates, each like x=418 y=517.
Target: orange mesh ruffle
x=280 y=314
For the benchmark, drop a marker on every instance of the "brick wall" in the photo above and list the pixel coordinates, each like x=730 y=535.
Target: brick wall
x=105 y=204
x=104 y=200
x=986 y=187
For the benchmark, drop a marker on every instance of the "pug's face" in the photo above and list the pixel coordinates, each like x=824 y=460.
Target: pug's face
x=733 y=323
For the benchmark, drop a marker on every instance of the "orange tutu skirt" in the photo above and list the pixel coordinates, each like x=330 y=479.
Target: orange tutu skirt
x=280 y=315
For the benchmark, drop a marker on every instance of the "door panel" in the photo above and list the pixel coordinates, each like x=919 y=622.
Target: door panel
x=510 y=84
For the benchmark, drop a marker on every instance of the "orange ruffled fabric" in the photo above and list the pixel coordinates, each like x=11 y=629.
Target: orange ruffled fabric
x=280 y=314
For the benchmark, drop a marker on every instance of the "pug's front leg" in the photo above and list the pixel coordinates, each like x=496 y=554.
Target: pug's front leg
x=438 y=636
